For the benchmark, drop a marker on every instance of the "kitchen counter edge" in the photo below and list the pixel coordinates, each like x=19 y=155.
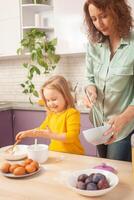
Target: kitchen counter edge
x=28 y=106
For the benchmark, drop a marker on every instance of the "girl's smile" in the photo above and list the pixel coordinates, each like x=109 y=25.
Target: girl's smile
x=54 y=100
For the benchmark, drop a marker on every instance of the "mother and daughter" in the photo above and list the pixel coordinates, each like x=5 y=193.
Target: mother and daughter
x=110 y=73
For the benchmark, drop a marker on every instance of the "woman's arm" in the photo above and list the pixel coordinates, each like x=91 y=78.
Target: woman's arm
x=119 y=122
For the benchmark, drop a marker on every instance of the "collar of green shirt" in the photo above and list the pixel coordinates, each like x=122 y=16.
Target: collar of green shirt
x=123 y=42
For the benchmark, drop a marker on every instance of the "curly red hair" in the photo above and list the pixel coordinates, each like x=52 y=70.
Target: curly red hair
x=121 y=13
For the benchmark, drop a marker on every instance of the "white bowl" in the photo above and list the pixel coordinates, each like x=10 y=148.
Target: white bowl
x=38 y=152
x=20 y=152
x=95 y=135
x=72 y=180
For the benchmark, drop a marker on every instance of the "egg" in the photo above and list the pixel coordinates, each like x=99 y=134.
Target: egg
x=28 y=161
x=19 y=171
x=30 y=168
x=5 y=167
x=35 y=163
x=12 y=167
x=23 y=164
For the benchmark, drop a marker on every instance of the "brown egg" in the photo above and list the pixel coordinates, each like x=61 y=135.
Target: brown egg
x=12 y=167
x=35 y=163
x=19 y=171
x=23 y=164
x=28 y=161
x=30 y=168
x=5 y=167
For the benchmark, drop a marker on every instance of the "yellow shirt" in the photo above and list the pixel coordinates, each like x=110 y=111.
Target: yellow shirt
x=67 y=122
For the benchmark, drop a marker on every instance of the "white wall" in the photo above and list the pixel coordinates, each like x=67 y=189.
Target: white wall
x=131 y=3
x=12 y=74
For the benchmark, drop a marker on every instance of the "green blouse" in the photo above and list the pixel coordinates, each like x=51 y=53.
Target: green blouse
x=114 y=80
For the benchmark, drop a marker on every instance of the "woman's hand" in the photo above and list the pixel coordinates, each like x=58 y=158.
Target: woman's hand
x=91 y=90
x=117 y=124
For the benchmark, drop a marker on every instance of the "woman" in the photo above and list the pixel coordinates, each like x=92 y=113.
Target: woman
x=110 y=73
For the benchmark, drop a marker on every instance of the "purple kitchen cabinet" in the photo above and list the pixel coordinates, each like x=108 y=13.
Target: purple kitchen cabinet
x=28 y=119
x=86 y=124
x=6 y=129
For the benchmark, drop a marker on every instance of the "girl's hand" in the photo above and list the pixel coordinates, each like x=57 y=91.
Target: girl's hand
x=91 y=90
x=24 y=134
x=47 y=133
x=117 y=124
x=20 y=135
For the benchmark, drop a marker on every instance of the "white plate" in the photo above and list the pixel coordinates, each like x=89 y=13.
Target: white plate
x=10 y=175
x=19 y=153
x=72 y=179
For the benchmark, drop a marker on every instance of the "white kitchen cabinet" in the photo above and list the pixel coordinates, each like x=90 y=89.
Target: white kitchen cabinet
x=9 y=26
x=39 y=16
x=69 y=28
x=58 y=18
x=17 y=17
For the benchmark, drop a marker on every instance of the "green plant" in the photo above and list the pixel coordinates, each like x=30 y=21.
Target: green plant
x=42 y=58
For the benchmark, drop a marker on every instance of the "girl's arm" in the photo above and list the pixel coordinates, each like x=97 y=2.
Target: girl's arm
x=47 y=133
x=24 y=134
x=72 y=129
x=72 y=126
x=40 y=133
x=33 y=132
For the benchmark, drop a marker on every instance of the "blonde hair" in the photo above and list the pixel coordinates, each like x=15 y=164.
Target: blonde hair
x=60 y=84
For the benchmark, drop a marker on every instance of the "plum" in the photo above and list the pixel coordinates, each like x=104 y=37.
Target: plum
x=89 y=179
x=81 y=185
x=95 y=181
x=82 y=177
x=91 y=186
x=97 y=177
x=103 y=184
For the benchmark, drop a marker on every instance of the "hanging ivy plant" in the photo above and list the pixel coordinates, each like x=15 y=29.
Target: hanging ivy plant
x=42 y=58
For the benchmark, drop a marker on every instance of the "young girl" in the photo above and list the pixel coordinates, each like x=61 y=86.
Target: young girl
x=62 y=124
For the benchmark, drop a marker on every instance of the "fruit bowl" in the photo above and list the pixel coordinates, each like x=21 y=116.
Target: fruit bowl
x=72 y=182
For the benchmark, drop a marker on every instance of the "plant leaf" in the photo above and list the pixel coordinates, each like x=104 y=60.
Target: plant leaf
x=42 y=58
x=22 y=85
x=35 y=93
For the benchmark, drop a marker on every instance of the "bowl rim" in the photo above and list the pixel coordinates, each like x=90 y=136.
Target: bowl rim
x=31 y=147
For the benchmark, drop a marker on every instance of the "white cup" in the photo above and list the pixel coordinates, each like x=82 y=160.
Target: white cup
x=37 y=20
x=38 y=152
